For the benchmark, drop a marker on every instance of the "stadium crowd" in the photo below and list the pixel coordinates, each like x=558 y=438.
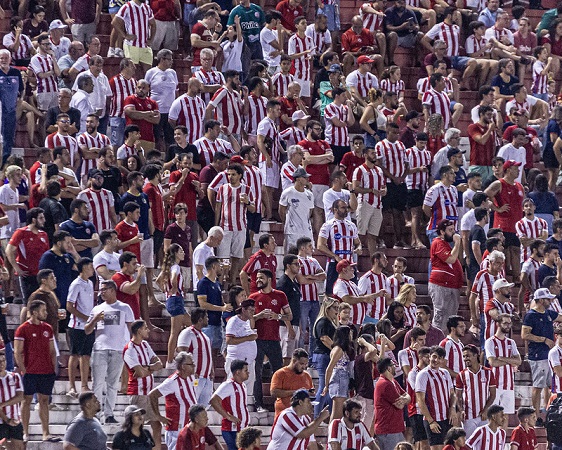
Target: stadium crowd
x=141 y=191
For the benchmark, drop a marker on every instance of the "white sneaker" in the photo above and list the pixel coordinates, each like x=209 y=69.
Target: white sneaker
x=171 y=365
x=261 y=409
x=119 y=53
x=111 y=52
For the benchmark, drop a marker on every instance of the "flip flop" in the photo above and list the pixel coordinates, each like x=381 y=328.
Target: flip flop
x=52 y=439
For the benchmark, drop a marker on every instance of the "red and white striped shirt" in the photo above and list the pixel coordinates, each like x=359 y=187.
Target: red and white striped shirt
x=449 y=33
x=486 y=263
x=189 y=112
x=24 y=48
x=256 y=113
x=254 y=179
x=530 y=229
x=370 y=178
x=287 y=171
x=121 y=88
x=393 y=155
x=443 y=203
x=10 y=385
x=340 y=235
x=397 y=87
x=281 y=83
x=336 y=135
x=453 y=352
x=490 y=324
x=233 y=211
x=208 y=148
x=413 y=407
x=234 y=400
x=220 y=179
x=423 y=85
x=436 y=384
x=211 y=78
x=356 y=437
x=100 y=204
x=228 y=109
x=408 y=357
x=179 y=395
x=555 y=305
x=268 y=128
x=125 y=151
x=87 y=141
x=474 y=44
x=58 y=140
x=42 y=64
x=303 y=64
x=138 y=355
x=373 y=22
x=484 y=438
x=476 y=390
x=438 y=103
x=409 y=313
x=555 y=360
x=309 y=266
x=371 y=283
x=498 y=348
x=362 y=82
x=418 y=158
x=292 y=135
x=483 y=287
x=343 y=288
x=285 y=430
x=199 y=345
x=137 y=19
x=394 y=287
x=320 y=38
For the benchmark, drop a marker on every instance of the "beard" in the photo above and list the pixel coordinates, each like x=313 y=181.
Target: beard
x=448 y=238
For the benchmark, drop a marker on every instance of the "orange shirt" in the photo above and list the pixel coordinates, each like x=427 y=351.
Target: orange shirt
x=286 y=378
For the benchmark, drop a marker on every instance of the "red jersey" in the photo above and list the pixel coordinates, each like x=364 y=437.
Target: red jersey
x=268 y=329
x=190 y=440
x=257 y=261
x=480 y=154
x=388 y=419
x=187 y=194
x=442 y=273
x=453 y=354
x=476 y=390
x=36 y=347
x=206 y=35
x=141 y=104
x=154 y=194
x=350 y=161
x=130 y=299
x=512 y=195
x=289 y=14
x=352 y=42
x=179 y=395
x=525 y=440
x=126 y=232
x=138 y=355
x=288 y=107
x=319 y=173
x=30 y=248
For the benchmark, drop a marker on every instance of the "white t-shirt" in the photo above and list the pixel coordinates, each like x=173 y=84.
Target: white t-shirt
x=299 y=205
x=330 y=196
x=266 y=37
x=112 y=333
x=200 y=255
x=232 y=51
x=109 y=260
x=163 y=85
x=81 y=295
x=236 y=327
x=508 y=152
x=9 y=197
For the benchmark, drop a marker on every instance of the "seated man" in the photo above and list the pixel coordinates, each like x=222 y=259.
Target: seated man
x=538 y=109
x=359 y=41
x=402 y=28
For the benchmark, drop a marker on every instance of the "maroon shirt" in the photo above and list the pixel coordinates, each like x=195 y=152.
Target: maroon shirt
x=182 y=238
x=207 y=174
x=83 y=11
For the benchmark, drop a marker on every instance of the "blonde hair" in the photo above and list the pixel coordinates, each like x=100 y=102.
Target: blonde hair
x=323 y=313
x=405 y=292
x=343 y=306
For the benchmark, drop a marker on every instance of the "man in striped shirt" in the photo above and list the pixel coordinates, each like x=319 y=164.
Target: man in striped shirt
x=491 y=436
x=122 y=86
x=453 y=345
x=11 y=391
x=44 y=67
x=350 y=431
x=90 y=143
x=189 y=110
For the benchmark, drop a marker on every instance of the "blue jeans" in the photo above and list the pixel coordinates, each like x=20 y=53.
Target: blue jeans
x=214 y=333
x=230 y=439
x=309 y=312
x=8 y=97
x=321 y=361
x=251 y=51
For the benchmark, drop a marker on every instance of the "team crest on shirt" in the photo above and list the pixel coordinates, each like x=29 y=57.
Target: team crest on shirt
x=42 y=239
x=274 y=302
x=66 y=260
x=88 y=231
x=257 y=14
x=202 y=439
x=45 y=333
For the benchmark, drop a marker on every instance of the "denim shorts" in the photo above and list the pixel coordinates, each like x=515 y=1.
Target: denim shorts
x=175 y=305
x=339 y=383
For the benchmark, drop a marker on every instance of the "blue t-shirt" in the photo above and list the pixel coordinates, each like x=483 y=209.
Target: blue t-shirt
x=62 y=267
x=545 y=202
x=142 y=201
x=542 y=324
x=213 y=292
x=84 y=230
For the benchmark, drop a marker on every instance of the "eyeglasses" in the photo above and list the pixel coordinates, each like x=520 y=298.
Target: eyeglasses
x=64 y=121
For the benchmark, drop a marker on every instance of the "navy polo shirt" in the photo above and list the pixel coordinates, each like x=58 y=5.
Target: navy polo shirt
x=542 y=324
x=142 y=201
x=213 y=292
x=62 y=267
x=84 y=230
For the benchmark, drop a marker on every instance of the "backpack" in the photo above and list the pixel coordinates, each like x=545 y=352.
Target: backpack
x=553 y=423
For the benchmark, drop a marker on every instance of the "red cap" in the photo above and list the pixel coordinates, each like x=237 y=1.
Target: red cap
x=364 y=60
x=344 y=263
x=510 y=163
x=237 y=159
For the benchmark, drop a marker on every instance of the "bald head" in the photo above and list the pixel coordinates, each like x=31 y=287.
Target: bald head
x=193 y=87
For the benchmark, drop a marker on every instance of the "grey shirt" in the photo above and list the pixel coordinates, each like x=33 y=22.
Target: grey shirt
x=86 y=434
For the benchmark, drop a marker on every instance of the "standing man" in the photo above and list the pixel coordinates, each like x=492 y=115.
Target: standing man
x=264 y=258
x=530 y=228
x=100 y=202
x=375 y=282
x=252 y=20
x=36 y=358
x=11 y=89
x=440 y=202
x=204 y=250
x=83 y=233
x=491 y=436
x=90 y=142
x=141 y=110
x=122 y=86
x=338 y=116
x=44 y=67
x=453 y=345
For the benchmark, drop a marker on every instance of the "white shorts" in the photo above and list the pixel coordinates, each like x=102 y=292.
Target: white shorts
x=305 y=86
x=506 y=399
x=291 y=239
x=171 y=438
x=46 y=100
x=166 y=36
x=369 y=219
x=318 y=195
x=288 y=345
x=232 y=245
x=271 y=175
x=147 y=253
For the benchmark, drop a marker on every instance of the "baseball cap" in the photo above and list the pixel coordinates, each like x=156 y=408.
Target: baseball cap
x=442 y=226
x=237 y=159
x=510 y=163
x=300 y=172
x=92 y=173
x=298 y=115
x=343 y=264
x=335 y=68
x=246 y=303
x=57 y=24
x=452 y=152
x=133 y=409
x=543 y=293
x=501 y=283
x=301 y=394
x=364 y=60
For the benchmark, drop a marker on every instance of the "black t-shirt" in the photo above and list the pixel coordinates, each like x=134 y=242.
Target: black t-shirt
x=505 y=87
x=363 y=375
x=545 y=271
x=321 y=75
x=293 y=292
x=175 y=149
x=55 y=213
x=125 y=440
x=393 y=18
x=476 y=234
x=53 y=112
x=112 y=182
x=324 y=327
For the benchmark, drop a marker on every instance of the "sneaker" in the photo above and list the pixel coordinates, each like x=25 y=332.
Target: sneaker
x=398 y=245
x=261 y=409
x=55 y=407
x=110 y=419
x=119 y=53
x=111 y=52
x=171 y=365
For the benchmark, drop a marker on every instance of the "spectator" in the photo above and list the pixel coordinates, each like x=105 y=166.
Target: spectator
x=46 y=293
x=188 y=110
x=375 y=283
x=340 y=429
x=290 y=335
x=529 y=274
x=530 y=228
x=13 y=428
x=106 y=261
x=339 y=191
x=19 y=44
x=82 y=99
x=10 y=202
x=408 y=357
x=453 y=346
x=133 y=430
x=91 y=142
x=9 y=97
x=141 y=110
x=61 y=137
x=44 y=67
x=526 y=429
x=337 y=373
x=35 y=355
x=203 y=251
x=55 y=212
x=122 y=86
x=197 y=431
x=85 y=430
x=112 y=334
x=83 y=233
x=434 y=336
x=66 y=62
x=492 y=433
x=264 y=258
x=100 y=202
x=414 y=412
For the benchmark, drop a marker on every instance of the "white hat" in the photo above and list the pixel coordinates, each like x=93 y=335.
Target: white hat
x=501 y=283
x=298 y=115
x=57 y=24
x=543 y=293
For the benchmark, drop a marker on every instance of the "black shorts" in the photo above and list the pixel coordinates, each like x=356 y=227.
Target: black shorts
x=415 y=198
x=548 y=157
x=254 y=221
x=80 y=343
x=511 y=240
x=418 y=430
x=396 y=197
x=63 y=324
x=38 y=383
x=437 y=438
x=158 y=240
x=10 y=433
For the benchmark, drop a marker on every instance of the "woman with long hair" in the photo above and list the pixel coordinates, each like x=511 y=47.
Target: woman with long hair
x=373 y=122
x=170 y=281
x=323 y=332
x=337 y=373
x=455 y=439
x=133 y=435
x=407 y=298
x=236 y=295
x=391 y=81
x=395 y=314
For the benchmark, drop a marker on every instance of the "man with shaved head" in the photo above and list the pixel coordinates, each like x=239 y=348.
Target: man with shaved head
x=141 y=110
x=188 y=110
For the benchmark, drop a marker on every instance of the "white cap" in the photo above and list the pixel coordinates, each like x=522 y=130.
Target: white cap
x=57 y=24
x=298 y=115
x=501 y=283
x=543 y=293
